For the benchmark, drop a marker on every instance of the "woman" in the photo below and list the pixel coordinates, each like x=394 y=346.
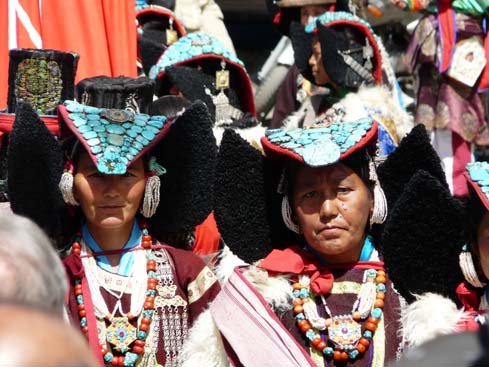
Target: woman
x=448 y=53
x=340 y=51
x=326 y=297
x=132 y=296
x=474 y=259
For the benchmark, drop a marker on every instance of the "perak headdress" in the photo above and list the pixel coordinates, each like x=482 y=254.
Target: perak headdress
x=202 y=68
x=43 y=78
x=158 y=28
x=114 y=139
x=352 y=53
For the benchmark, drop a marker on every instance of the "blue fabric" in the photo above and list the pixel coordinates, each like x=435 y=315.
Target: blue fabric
x=127 y=258
x=365 y=254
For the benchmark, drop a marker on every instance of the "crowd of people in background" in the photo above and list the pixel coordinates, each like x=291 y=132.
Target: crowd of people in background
x=150 y=216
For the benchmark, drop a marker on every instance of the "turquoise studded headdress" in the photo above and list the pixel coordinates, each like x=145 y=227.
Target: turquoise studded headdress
x=201 y=46
x=113 y=138
x=477 y=175
x=320 y=145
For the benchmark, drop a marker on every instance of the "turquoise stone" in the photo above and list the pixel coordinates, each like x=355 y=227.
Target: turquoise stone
x=367 y=334
x=113 y=139
x=104 y=121
x=154 y=130
x=328 y=351
x=132 y=133
x=84 y=128
x=137 y=129
x=377 y=312
x=115 y=129
x=79 y=122
x=93 y=117
x=93 y=142
x=96 y=149
x=127 y=125
x=129 y=156
x=76 y=115
x=99 y=128
x=145 y=141
x=291 y=145
x=156 y=123
x=91 y=110
x=90 y=135
x=137 y=145
x=381 y=287
x=353 y=354
x=133 y=151
x=148 y=135
x=140 y=122
x=321 y=153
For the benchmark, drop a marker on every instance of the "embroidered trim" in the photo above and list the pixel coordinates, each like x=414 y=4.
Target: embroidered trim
x=200 y=285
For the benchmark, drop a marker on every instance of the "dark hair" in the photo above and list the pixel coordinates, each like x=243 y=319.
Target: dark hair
x=169 y=106
x=476 y=210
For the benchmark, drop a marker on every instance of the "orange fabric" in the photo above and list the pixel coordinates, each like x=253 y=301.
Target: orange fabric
x=102 y=32
x=206 y=237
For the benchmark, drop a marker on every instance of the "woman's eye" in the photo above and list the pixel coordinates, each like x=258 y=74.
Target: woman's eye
x=128 y=174
x=343 y=189
x=311 y=194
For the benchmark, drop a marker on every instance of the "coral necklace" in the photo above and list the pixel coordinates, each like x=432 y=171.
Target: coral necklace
x=121 y=333
x=344 y=331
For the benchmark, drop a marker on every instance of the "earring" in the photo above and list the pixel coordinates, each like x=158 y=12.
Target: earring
x=287 y=216
x=151 y=198
x=66 y=185
x=380 y=210
x=467 y=266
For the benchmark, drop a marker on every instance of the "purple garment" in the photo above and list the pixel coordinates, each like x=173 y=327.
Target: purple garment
x=443 y=102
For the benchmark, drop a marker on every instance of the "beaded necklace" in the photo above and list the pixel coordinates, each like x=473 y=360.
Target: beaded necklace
x=346 y=341
x=121 y=333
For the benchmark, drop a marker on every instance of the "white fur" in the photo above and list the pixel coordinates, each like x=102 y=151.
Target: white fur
x=251 y=134
x=226 y=263
x=431 y=315
x=203 y=346
x=380 y=101
x=276 y=290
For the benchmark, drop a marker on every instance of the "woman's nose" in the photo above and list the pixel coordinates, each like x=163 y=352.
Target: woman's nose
x=312 y=60
x=329 y=208
x=111 y=185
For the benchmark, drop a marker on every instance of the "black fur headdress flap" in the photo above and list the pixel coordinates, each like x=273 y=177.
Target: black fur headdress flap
x=239 y=202
x=422 y=239
x=414 y=153
x=35 y=162
x=188 y=154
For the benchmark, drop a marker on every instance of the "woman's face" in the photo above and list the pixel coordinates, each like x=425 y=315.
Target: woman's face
x=310 y=11
x=108 y=201
x=316 y=63
x=483 y=244
x=332 y=206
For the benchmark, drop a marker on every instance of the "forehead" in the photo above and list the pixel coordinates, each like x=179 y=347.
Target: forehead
x=306 y=175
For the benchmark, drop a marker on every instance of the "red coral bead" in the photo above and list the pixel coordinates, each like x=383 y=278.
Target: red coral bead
x=337 y=355
x=82 y=313
x=381 y=273
x=298 y=309
x=322 y=345
x=85 y=329
x=344 y=356
x=305 y=327
x=147 y=238
x=364 y=342
x=148 y=305
x=380 y=295
x=137 y=350
x=145 y=321
x=144 y=327
x=361 y=348
x=373 y=320
x=380 y=279
x=315 y=342
x=140 y=343
x=370 y=326
x=115 y=361
x=81 y=307
x=146 y=244
x=379 y=303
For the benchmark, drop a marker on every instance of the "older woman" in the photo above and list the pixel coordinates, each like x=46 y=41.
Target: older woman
x=325 y=298
x=132 y=296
